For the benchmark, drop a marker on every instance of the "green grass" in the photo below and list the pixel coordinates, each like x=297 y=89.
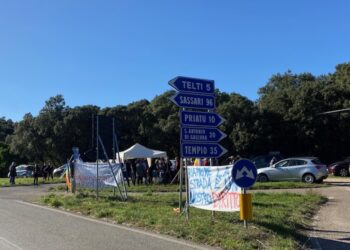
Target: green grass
x=258 y=185
x=277 y=222
x=287 y=185
x=4 y=182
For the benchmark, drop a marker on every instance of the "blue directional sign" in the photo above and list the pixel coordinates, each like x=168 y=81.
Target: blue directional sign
x=187 y=100
x=194 y=85
x=202 y=150
x=191 y=118
x=200 y=134
x=244 y=173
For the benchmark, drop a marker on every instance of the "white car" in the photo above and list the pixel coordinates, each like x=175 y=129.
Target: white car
x=307 y=169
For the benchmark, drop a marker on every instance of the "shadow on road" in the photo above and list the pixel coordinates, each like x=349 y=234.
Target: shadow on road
x=330 y=231
x=328 y=244
x=339 y=183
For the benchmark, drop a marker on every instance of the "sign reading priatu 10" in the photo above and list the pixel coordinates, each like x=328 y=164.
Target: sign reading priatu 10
x=199 y=135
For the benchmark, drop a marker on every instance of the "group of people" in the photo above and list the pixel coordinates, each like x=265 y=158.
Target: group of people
x=140 y=172
x=45 y=170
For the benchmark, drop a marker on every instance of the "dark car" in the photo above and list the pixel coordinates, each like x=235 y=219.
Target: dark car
x=263 y=161
x=340 y=168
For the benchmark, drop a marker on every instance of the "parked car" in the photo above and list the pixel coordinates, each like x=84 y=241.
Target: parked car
x=24 y=170
x=340 y=168
x=263 y=161
x=307 y=169
x=60 y=170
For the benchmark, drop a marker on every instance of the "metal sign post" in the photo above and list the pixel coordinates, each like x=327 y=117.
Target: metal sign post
x=180 y=178
x=97 y=155
x=198 y=133
x=244 y=174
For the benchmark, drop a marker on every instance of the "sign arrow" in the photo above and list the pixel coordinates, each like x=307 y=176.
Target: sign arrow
x=201 y=150
x=187 y=100
x=200 y=134
x=192 y=118
x=194 y=85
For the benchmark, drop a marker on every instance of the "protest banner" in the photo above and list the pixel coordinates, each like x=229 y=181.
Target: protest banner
x=85 y=174
x=212 y=188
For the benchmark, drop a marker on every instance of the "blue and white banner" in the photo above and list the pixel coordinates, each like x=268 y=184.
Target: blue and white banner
x=86 y=174
x=212 y=188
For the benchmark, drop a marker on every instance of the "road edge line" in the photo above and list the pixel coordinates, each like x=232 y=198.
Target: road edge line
x=140 y=231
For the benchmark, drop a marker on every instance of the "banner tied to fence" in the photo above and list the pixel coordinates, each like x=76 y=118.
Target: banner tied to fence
x=86 y=174
x=212 y=188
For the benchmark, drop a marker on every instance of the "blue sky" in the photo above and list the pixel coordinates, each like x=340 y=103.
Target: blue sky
x=114 y=52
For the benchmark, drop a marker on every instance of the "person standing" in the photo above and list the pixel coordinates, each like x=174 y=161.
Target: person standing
x=36 y=175
x=273 y=160
x=44 y=171
x=133 y=172
x=50 y=171
x=12 y=173
x=139 y=172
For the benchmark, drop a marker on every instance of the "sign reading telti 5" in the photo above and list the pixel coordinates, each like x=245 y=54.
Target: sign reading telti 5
x=194 y=85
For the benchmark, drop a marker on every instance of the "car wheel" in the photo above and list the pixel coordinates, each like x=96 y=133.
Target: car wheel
x=343 y=172
x=263 y=178
x=308 y=178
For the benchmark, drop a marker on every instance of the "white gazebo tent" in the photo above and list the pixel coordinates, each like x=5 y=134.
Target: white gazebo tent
x=139 y=151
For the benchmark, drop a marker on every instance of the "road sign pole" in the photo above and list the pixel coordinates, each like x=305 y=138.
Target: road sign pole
x=187 y=192
x=97 y=156
x=180 y=191
x=245 y=223
x=212 y=212
x=180 y=178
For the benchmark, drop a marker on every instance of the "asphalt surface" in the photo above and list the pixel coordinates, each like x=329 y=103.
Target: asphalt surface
x=331 y=226
x=24 y=225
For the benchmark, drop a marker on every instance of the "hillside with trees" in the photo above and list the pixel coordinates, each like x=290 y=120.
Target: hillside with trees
x=286 y=118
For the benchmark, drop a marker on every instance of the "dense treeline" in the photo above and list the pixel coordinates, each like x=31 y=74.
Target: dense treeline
x=285 y=118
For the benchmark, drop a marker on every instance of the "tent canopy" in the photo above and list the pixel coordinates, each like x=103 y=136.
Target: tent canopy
x=139 y=151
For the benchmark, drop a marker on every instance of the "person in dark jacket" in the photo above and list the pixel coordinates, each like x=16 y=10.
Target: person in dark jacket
x=12 y=173
x=36 y=174
x=44 y=171
x=50 y=172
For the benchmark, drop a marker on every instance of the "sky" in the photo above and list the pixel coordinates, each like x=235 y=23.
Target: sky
x=109 y=53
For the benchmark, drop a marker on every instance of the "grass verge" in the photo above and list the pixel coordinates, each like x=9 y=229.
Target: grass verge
x=278 y=218
x=258 y=185
x=4 y=182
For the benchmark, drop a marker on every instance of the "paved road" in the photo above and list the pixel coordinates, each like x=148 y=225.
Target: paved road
x=332 y=223
x=27 y=226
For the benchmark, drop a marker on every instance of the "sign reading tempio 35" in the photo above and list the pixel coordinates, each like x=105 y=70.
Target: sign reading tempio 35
x=207 y=150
